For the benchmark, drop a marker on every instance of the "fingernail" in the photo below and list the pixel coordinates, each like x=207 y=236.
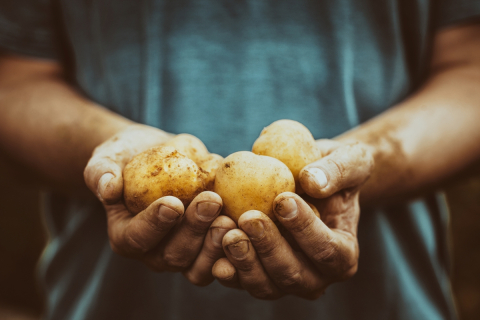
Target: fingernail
x=318 y=176
x=254 y=228
x=103 y=183
x=217 y=235
x=208 y=210
x=287 y=208
x=238 y=250
x=168 y=214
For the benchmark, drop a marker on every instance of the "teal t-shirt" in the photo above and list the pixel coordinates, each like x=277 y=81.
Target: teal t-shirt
x=222 y=70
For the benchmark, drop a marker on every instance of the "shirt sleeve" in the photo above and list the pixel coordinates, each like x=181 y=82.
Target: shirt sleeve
x=456 y=11
x=27 y=28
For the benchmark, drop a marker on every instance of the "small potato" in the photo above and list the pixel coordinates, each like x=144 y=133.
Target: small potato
x=190 y=146
x=290 y=142
x=158 y=172
x=194 y=149
x=247 y=181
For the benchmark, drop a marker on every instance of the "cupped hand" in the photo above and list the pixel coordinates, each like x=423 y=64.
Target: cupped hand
x=164 y=236
x=259 y=258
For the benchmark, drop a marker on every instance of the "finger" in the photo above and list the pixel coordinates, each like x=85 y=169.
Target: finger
x=333 y=251
x=288 y=271
x=224 y=271
x=184 y=244
x=251 y=274
x=339 y=211
x=348 y=166
x=104 y=178
x=200 y=273
x=103 y=173
x=134 y=236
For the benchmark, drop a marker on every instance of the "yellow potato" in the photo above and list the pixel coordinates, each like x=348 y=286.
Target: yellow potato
x=190 y=146
x=193 y=148
x=290 y=142
x=246 y=181
x=158 y=172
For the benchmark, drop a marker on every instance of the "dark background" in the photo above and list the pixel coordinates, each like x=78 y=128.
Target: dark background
x=23 y=237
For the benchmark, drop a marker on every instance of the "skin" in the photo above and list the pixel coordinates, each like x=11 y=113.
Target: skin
x=46 y=125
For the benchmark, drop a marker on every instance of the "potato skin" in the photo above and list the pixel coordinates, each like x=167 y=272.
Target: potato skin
x=290 y=142
x=189 y=145
x=194 y=149
x=158 y=172
x=246 y=181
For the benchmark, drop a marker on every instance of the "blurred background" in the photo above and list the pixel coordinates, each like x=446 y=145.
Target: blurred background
x=23 y=237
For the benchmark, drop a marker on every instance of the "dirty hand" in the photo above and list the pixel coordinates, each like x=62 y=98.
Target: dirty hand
x=164 y=236
x=260 y=260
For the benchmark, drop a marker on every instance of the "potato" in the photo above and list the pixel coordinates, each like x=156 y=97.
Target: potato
x=158 y=172
x=190 y=146
x=290 y=142
x=209 y=167
x=247 y=181
x=193 y=148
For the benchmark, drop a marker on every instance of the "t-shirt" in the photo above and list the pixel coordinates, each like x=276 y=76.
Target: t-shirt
x=222 y=70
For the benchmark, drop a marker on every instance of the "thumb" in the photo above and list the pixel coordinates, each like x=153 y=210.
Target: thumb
x=104 y=178
x=348 y=166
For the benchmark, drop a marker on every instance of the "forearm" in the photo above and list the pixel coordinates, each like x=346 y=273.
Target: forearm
x=48 y=126
x=425 y=139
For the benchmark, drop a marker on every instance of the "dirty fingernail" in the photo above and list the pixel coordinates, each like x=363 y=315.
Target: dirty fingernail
x=238 y=250
x=318 y=176
x=287 y=208
x=217 y=235
x=208 y=210
x=254 y=228
x=103 y=183
x=168 y=214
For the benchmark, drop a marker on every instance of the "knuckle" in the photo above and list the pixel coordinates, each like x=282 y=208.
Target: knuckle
x=290 y=281
x=302 y=226
x=340 y=167
x=156 y=225
x=266 y=249
x=214 y=254
x=117 y=244
x=197 y=280
x=246 y=266
x=326 y=256
x=342 y=265
x=176 y=262
x=135 y=245
x=197 y=229
x=265 y=294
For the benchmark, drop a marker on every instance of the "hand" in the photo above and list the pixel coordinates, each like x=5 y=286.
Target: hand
x=164 y=236
x=261 y=261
